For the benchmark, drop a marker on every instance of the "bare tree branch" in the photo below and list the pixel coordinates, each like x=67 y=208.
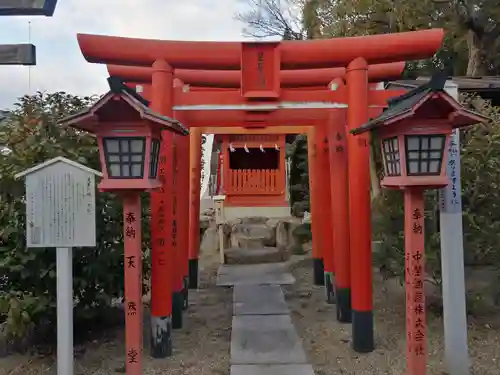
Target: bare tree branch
x=266 y=18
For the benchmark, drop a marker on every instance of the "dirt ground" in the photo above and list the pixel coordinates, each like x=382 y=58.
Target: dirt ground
x=201 y=347
x=327 y=342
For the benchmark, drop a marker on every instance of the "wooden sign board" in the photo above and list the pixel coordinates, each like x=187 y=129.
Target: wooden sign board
x=60 y=204
x=27 y=7
x=219 y=208
x=17 y=54
x=260 y=70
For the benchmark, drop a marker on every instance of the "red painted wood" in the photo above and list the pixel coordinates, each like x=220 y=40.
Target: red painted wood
x=133 y=282
x=416 y=328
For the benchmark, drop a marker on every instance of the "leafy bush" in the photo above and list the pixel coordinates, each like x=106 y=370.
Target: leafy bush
x=28 y=288
x=299 y=176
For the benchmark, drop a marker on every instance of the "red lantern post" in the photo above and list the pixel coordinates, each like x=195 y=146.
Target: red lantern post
x=129 y=135
x=414 y=132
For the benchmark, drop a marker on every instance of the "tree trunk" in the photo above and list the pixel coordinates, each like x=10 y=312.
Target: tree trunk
x=476 y=66
x=311 y=21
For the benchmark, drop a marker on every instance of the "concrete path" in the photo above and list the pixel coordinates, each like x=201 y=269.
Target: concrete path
x=263 y=338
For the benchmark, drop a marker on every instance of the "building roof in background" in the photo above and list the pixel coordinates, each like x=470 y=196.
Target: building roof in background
x=3 y=114
x=465 y=84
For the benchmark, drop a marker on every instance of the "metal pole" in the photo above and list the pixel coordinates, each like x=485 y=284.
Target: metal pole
x=64 y=261
x=452 y=260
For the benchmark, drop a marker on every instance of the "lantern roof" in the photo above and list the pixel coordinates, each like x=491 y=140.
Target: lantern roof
x=124 y=102
x=406 y=105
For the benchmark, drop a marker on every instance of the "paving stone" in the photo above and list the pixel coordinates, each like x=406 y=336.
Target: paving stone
x=268 y=273
x=248 y=269
x=254 y=256
x=259 y=300
x=272 y=370
x=265 y=339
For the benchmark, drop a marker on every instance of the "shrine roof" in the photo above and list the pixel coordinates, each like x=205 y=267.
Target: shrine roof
x=58 y=159
x=132 y=98
x=406 y=104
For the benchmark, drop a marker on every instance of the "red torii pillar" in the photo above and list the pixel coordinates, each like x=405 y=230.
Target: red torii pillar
x=319 y=196
x=163 y=217
x=194 y=205
x=324 y=213
x=339 y=194
x=178 y=149
x=315 y=203
x=359 y=208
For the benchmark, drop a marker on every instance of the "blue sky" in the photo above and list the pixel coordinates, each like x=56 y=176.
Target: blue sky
x=60 y=65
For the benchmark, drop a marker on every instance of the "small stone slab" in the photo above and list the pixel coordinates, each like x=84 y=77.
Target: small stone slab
x=249 y=269
x=254 y=255
x=259 y=300
x=272 y=370
x=265 y=339
x=257 y=274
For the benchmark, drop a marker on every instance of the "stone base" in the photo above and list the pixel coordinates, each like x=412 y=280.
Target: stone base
x=362 y=331
x=231 y=213
x=161 y=337
x=255 y=256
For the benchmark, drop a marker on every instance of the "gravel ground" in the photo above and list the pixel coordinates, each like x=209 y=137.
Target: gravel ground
x=327 y=343
x=201 y=347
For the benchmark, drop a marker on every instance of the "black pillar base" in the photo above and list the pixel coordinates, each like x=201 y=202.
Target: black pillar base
x=177 y=304
x=161 y=337
x=319 y=272
x=362 y=331
x=329 y=287
x=344 y=311
x=193 y=273
x=185 y=293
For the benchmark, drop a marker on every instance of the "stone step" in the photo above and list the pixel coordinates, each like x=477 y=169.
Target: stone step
x=254 y=274
x=255 y=256
x=296 y=369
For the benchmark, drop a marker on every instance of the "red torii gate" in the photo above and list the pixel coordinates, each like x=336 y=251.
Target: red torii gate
x=207 y=80
x=263 y=103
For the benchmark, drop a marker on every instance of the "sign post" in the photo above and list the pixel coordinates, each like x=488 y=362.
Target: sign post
x=28 y=7
x=64 y=261
x=23 y=54
x=219 y=221
x=60 y=213
x=452 y=260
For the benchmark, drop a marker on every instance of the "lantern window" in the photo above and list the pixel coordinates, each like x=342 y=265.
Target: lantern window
x=424 y=154
x=155 y=156
x=124 y=156
x=390 y=148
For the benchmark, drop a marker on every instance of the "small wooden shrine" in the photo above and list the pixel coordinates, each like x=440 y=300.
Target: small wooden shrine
x=253 y=175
